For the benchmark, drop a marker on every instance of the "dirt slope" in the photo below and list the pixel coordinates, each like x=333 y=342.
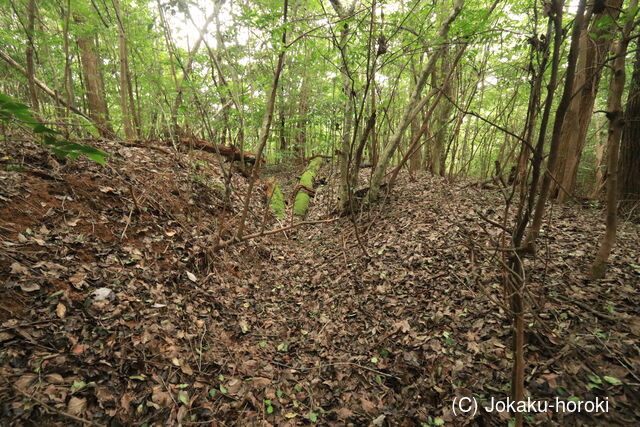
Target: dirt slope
x=296 y=328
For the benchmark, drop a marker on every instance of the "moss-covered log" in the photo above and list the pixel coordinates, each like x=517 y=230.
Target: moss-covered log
x=276 y=199
x=305 y=187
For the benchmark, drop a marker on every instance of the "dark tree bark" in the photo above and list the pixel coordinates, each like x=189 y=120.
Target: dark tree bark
x=630 y=148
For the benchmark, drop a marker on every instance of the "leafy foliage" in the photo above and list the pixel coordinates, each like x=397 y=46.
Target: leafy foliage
x=14 y=111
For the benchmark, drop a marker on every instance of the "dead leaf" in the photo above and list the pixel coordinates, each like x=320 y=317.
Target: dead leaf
x=191 y=276
x=161 y=397
x=61 y=310
x=17 y=268
x=79 y=348
x=77 y=405
x=25 y=381
x=54 y=379
x=29 y=287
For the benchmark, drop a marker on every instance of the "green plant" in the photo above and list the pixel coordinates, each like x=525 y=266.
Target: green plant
x=13 y=111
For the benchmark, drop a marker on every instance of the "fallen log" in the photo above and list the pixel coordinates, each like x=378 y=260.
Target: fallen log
x=232 y=154
x=304 y=190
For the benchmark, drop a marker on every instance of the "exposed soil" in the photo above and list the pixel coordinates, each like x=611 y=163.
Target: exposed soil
x=306 y=326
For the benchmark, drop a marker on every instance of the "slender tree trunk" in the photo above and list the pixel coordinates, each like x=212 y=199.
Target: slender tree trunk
x=90 y=62
x=599 y=163
x=373 y=141
x=127 y=114
x=561 y=111
x=616 y=125
x=9 y=60
x=410 y=110
x=441 y=133
x=595 y=42
x=301 y=126
x=266 y=124
x=68 y=84
x=29 y=52
x=283 y=124
x=349 y=104
x=189 y=65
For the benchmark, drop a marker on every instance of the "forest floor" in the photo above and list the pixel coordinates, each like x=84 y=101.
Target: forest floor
x=115 y=310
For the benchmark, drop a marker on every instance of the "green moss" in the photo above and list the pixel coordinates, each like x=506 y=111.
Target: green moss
x=276 y=205
x=301 y=203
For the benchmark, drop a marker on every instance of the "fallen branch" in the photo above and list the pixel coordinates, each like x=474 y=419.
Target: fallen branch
x=51 y=408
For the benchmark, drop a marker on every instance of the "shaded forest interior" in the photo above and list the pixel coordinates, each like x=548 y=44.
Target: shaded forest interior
x=332 y=212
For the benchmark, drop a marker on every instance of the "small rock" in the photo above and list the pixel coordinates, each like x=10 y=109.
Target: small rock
x=102 y=294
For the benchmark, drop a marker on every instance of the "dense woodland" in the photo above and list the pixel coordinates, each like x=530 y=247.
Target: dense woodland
x=335 y=212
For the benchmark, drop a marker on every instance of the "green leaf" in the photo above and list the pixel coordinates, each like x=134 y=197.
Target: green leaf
x=438 y=421
x=283 y=347
x=594 y=378
x=612 y=380
x=77 y=386
x=183 y=397
x=313 y=417
x=213 y=392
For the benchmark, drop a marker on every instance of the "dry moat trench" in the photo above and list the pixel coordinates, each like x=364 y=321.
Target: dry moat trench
x=297 y=328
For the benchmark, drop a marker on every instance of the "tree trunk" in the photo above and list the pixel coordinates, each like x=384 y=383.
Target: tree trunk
x=31 y=17
x=96 y=102
x=441 y=132
x=347 y=122
x=630 y=149
x=561 y=111
x=415 y=159
x=599 y=164
x=44 y=87
x=616 y=124
x=301 y=126
x=124 y=76
x=595 y=42
x=266 y=124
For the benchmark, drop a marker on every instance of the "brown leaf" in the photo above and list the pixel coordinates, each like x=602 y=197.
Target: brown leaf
x=79 y=348
x=29 y=287
x=25 y=381
x=186 y=369
x=17 y=268
x=161 y=397
x=61 y=310
x=344 y=413
x=368 y=406
x=54 y=378
x=76 y=405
